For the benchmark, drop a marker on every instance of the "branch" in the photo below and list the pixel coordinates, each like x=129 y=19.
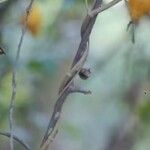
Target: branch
x=14 y=83
x=16 y=139
x=67 y=87
x=104 y=7
x=68 y=82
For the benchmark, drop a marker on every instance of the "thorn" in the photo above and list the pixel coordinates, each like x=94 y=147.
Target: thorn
x=79 y=90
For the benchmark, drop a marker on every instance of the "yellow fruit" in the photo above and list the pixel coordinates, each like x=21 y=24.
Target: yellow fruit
x=34 y=22
x=138 y=9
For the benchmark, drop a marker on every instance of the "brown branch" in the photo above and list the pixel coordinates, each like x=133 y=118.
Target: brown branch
x=14 y=83
x=16 y=139
x=104 y=7
x=67 y=87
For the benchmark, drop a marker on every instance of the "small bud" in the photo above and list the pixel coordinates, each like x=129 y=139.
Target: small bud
x=84 y=73
x=2 y=51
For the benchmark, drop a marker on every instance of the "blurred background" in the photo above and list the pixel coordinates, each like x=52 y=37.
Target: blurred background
x=116 y=116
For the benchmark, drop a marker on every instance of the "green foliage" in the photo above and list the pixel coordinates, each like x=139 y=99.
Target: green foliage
x=72 y=130
x=144 y=111
x=40 y=67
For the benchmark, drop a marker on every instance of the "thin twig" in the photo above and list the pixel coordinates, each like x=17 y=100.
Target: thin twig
x=14 y=83
x=104 y=7
x=79 y=90
x=7 y=134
